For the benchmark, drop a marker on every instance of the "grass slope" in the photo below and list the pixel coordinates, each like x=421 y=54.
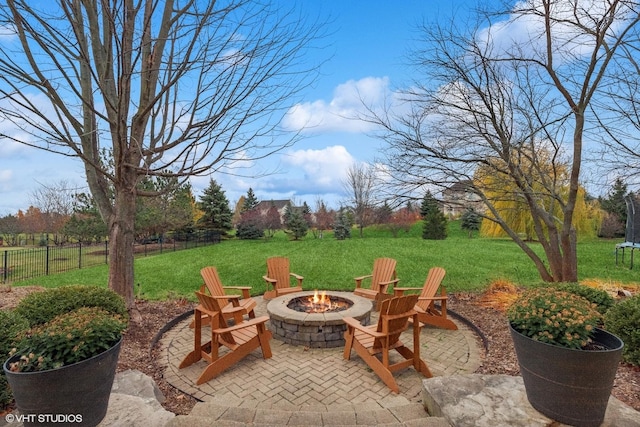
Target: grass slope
x=328 y=263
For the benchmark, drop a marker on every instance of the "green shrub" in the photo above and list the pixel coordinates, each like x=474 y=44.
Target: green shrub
x=11 y=324
x=6 y=397
x=600 y=298
x=554 y=317
x=623 y=320
x=67 y=339
x=41 y=307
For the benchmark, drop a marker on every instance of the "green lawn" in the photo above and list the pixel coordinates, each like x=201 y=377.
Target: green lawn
x=327 y=263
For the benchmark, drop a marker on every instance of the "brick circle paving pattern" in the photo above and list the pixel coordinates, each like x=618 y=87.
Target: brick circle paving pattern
x=298 y=376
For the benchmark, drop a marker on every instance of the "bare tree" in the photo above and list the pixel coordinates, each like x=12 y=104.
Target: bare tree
x=55 y=201
x=150 y=88
x=55 y=197
x=506 y=108
x=360 y=185
x=618 y=114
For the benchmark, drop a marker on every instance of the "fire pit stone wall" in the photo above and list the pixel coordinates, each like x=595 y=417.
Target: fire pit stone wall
x=314 y=330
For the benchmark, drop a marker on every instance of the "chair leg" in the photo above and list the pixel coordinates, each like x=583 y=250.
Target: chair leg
x=348 y=342
x=377 y=366
x=264 y=336
x=217 y=366
x=196 y=354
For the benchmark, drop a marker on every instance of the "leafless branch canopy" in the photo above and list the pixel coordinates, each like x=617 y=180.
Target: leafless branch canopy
x=507 y=105
x=167 y=87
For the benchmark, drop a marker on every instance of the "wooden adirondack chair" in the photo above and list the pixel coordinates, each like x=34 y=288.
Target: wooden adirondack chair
x=383 y=275
x=233 y=306
x=279 y=277
x=428 y=312
x=240 y=339
x=371 y=341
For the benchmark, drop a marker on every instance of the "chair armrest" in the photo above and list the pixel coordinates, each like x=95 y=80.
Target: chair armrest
x=269 y=281
x=355 y=323
x=298 y=277
x=361 y=278
x=245 y=324
x=385 y=285
x=245 y=290
x=432 y=298
x=398 y=292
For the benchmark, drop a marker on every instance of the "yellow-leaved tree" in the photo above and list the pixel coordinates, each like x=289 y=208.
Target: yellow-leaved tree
x=510 y=202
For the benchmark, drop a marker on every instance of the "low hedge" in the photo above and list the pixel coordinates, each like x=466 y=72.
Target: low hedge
x=623 y=320
x=41 y=307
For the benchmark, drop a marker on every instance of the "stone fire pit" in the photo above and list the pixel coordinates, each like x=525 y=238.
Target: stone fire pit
x=315 y=330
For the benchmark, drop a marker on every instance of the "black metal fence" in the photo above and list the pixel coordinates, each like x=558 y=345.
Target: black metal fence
x=22 y=264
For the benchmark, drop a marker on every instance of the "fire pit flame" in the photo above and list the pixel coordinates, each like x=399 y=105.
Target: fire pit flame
x=319 y=303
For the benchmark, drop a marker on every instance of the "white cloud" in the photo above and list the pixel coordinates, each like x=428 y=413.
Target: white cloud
x=342 y=112
x=323 y=168
x=7 y=33
x=5 y=177
x=527 y=31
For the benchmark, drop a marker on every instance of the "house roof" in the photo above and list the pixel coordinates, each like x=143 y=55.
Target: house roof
x=279 y=204
x=459 y=187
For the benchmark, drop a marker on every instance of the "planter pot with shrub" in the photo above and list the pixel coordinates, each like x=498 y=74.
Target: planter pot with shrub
x=61 y=370
x=567 y=363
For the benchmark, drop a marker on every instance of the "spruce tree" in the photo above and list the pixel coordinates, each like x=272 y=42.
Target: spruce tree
x=250 y=201
x=435 y=223
x=615 y=203
x=342 y=226
x=215 y=207
x=470 y=221
x=297 y=225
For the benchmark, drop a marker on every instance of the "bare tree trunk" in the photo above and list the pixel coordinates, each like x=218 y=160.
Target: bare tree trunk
x=122 y=239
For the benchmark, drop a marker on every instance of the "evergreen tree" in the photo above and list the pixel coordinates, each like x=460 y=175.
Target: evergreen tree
x=307 y=215
x=286 y=215
x=85 y=223
x=250 y=202
x=250 y=226
x=215 y=207
x=470 y=221
x=342 y=226
x=384 y=214
x=615 y=205
x=297 y=225
x=435 y=223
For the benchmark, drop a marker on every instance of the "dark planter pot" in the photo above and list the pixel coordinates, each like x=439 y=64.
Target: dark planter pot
x=76 y=395
x=567 y=385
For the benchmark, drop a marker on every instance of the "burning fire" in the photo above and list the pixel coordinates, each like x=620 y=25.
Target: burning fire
x=323 y=299
x=319 y=303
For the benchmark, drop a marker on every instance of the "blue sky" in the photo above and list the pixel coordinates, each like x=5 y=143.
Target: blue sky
x=367 y=54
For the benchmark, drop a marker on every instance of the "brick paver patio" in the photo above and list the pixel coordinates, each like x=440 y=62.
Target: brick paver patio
x=299 y=378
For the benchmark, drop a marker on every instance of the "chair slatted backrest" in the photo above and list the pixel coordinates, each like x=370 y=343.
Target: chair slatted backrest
x=278 y=269
x=384 y=270
x=212 y=306
x=394 y=318
x=431 y=285
x=212 y=280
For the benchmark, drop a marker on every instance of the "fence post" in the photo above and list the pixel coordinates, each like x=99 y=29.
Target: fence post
x=79 y=255
x=46 y=264
x=5 y=268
